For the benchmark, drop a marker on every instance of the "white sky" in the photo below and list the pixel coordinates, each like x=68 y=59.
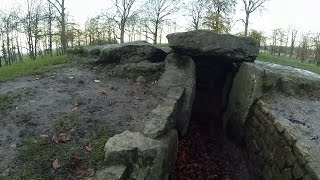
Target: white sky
x=299 y=14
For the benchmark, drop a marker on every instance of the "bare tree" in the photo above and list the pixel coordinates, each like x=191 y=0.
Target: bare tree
x=124 y=10
x=59 y=5
x=274 y=38
x=316 y=47
x=197 y=10
x=31 y=23
x=303 y=52
x=249 y=7
x=156 y=12
x=9 y=24
x=218 y=16
x=282 y=40
x=294 y=33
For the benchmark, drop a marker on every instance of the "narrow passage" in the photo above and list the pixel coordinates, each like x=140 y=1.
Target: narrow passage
x=201 y=157
x=204 y=153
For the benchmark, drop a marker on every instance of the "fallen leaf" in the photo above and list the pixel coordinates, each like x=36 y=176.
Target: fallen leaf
x=80 y=173
x=75 y=109
x=183 y=156
x=6 y=173
x=89 y=147
x=44 y=136
x=55 y=139
x=64 y=138
x=90 y=172
x=13 y=146
x=103 y=92
x=55 y=164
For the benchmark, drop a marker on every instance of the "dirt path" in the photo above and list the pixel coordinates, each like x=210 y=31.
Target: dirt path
x=67 y=103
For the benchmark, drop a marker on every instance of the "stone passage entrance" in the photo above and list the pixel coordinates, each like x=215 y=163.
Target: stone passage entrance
x=204 y=152
x=214 y=80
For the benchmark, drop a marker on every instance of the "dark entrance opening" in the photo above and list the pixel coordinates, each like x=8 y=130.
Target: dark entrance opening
x=205 y=152
x=214 y=81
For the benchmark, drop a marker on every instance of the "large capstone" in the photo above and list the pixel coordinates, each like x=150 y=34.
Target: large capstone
x=132 y=52
x=204 y=43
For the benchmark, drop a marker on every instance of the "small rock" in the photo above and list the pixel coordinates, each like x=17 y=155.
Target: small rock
x=141 y=80
x=56 y=164
x=89 y=147
x=13 y=146
x=44 y=136
x=75 y=109
x=5 y=173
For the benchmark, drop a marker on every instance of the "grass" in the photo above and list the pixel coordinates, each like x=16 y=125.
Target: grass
x=287 y=61
x=67 y=122
x=30 y=67
x=165 y=45
x=37 y=154
x=5 y=103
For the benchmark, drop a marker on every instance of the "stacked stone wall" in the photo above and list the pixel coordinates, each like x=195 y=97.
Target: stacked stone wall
x=273 y=149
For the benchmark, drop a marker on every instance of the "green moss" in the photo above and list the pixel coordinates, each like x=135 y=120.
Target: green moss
x=5 y=103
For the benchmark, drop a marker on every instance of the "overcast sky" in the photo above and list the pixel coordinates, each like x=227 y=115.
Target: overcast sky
x=301 y=14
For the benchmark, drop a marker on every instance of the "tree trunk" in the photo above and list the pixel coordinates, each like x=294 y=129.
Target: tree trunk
x=8 y=49
x=291 y=48
x=122 y=33
x=50 y=29
x=63 y=28
x=18 y=48
x=155 y=35
x=246 y=24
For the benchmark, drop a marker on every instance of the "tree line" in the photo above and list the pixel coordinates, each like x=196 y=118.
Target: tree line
x=289 y=42
x=44 y=27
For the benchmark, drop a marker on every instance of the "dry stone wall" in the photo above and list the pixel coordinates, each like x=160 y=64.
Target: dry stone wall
x=273 y=149
x=151 y=153
x=274 y=111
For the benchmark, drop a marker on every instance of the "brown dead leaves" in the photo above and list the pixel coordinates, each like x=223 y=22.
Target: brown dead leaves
x=84 y=173
x=61 y=138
